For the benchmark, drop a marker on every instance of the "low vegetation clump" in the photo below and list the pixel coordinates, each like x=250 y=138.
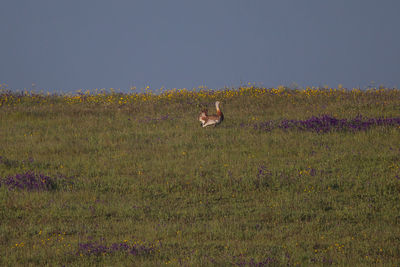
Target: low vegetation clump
x=328 y=123
x=98 y=249
x=31 y=181
x=294 y=177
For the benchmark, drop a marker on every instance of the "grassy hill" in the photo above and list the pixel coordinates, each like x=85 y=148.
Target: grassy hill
x=291 y=177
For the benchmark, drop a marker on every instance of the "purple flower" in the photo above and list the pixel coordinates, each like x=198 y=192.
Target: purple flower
x=253 y=262
x=32 y=182
x=29 y=181
x=263 y=177
x=95 y=248
x=328 y=123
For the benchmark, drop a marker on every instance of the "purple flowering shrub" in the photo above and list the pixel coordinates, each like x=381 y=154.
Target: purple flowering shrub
x=32 y=181
x=96 y=248
x=328 y=123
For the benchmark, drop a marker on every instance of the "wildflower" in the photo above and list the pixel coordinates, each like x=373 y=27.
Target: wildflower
x=33 y=182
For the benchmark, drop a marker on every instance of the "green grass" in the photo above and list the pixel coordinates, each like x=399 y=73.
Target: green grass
x=217 y=196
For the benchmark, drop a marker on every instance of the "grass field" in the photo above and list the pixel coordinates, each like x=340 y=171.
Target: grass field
x=291 y=177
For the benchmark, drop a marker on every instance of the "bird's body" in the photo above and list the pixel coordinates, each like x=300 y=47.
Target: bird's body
x=203 y=117
x=208 y=120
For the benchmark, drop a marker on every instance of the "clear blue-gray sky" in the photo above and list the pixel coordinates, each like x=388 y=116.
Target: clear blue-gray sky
x=88 y=44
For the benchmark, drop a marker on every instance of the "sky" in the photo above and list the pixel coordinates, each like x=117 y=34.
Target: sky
x=65 y=46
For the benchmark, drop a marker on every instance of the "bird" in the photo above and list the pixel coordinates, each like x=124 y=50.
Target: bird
x=207 y=120
x=203 y=116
